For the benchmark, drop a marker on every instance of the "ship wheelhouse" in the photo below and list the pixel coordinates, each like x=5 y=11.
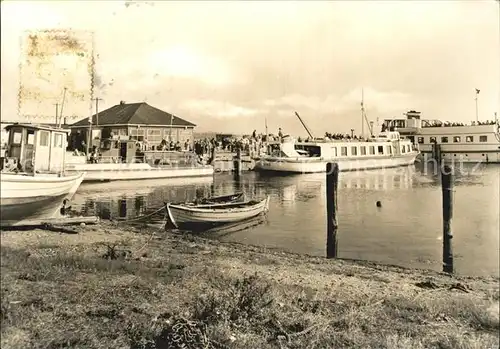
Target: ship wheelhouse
x=35 y=148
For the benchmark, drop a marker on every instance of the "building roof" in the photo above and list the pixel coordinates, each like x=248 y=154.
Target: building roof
x=134 y=114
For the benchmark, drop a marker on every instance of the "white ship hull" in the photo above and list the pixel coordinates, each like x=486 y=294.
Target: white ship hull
x=450 y=154
x=312 y=165
x=28 y=197
x=136 y=171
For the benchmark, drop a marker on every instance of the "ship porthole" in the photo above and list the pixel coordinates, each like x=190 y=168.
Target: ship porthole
x=483 y=154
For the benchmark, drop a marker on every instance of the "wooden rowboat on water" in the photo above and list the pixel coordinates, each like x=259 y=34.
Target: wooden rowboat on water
x=220 y=199
x=236 y=197
x=201 y=216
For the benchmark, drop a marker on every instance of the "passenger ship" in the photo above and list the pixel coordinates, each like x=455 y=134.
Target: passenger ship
x=382 y=151
x=466 y=143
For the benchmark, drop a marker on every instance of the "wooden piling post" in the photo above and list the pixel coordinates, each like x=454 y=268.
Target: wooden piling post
x=436 y=152
x=332 y=180
x=447 y=189
x=213 y=155
x=237 y=161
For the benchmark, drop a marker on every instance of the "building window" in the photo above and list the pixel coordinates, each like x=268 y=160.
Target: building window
x=444 y=139
x=343 y=151
x=167 y=132
x=456 y=139
x=469 y=139
x=44 y=139
x=137 y=134
x=403 y=149
x=185 y=135
x=380 y=150
x=483 y=138
x=408 y=148
x=354 y=151
x=363 y=150
x=154 y=136
x=433 y=139
x=389 y=149
x=372 y=150
x=420 y=140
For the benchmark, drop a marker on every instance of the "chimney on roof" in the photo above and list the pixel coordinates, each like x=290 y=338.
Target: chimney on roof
x=122 y=102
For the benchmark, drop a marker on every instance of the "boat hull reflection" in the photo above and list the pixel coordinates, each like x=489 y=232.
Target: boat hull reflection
x=219 y=231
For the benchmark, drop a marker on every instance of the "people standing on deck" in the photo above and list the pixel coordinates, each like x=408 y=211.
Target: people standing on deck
x=83 y=147
x=94 y=155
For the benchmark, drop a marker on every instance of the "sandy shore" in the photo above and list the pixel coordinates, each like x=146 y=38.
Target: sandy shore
x=116 y=286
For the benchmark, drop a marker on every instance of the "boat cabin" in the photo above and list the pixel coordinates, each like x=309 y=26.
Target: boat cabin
x=117 y=150
x=387 y=143
x=385 y=136
x=34 y=148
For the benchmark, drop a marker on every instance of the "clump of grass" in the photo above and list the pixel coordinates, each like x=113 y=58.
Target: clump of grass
x=461 y=340
x=174 y=332
x=243 y=298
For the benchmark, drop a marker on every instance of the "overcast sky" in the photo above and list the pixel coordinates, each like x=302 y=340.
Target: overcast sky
x=228 y=65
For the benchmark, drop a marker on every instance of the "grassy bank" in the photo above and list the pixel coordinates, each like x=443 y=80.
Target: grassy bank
x=124 y=287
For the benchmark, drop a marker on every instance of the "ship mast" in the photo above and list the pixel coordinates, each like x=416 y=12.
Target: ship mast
x=363 y=117
x=58 y=123
x=362 y=113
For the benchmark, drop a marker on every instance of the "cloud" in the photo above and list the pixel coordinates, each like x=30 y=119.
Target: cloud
x=185 y=62
x=381 y=101
x=217 y=109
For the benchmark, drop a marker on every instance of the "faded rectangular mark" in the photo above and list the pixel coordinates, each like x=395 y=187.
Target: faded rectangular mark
x=52 y=60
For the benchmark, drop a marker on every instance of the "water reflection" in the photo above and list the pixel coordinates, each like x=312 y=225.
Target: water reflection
x=228 y=229
x=130 y=199
x=405 y=231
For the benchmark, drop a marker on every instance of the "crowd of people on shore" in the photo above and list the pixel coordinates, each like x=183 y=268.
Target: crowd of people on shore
x=255 y=143
x=249 y=144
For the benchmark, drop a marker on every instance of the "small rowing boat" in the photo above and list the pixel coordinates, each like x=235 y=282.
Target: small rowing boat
x=200 y=216
x=236 y=197
x=220 y=199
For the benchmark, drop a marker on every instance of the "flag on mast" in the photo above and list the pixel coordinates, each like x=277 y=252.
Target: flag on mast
x=477 y=91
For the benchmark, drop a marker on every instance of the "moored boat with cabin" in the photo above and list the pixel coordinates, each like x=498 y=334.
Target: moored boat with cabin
x=124 y=160
x=33 y=182
x=385 y=150
x=133 y=141
x=476 y=142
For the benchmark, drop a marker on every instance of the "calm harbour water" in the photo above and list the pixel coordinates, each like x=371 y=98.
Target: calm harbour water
x=406 y=230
